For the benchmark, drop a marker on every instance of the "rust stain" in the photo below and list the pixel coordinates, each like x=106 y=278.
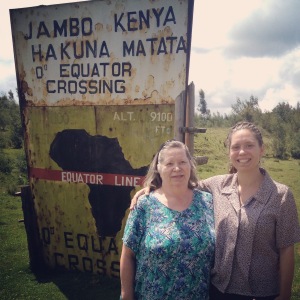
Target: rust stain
x=99 y=27
x=109 y=28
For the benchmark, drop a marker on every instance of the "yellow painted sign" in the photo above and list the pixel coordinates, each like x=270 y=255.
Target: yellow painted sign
x=97 y=85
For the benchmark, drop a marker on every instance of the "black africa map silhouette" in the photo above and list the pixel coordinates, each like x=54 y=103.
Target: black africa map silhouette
x=76 y=150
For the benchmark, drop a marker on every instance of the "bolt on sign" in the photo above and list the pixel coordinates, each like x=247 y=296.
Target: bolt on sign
x=98 y=82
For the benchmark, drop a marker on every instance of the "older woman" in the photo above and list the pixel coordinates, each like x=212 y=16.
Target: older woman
x=168 y=243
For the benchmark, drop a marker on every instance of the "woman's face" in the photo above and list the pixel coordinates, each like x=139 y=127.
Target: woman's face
x=175 y=168
x=245 y=152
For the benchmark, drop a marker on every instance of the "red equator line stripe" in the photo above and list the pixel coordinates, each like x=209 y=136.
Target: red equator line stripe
x=86 y=177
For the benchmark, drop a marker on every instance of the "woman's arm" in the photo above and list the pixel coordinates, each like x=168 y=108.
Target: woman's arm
x=127 y=273
x=286 y=272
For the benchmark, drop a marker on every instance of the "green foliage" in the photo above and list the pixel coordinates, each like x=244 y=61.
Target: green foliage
x=11 y=134
x=6 y=164
x=247 y=110
x=3 y=140
x=17 y=133
x=279 y=141
x=202 y=107
x=13 y=170
x=282 y=123
x=213 y=120
x=295 y=147
x=21 y=164
x=286 y=128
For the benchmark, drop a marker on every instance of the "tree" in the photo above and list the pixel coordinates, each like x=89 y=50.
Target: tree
x=247 y=110
x=286 y=128
x=202 y=107
x=295 y=148
x=5 y=118
x=10 y=123
x=284 y=111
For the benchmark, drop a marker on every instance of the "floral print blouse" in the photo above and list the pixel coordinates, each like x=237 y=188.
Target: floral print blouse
x=174 y=250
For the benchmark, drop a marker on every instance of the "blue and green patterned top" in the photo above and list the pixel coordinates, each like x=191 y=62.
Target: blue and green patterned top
x=174 y=250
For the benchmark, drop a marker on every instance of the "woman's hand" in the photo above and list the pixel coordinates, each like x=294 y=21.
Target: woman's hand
x=134 y=200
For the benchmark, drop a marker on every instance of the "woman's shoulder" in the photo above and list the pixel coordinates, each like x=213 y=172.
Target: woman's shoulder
x=271 y=185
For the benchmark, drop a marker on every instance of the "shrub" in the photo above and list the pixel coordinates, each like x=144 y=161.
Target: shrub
x=6 y=164
x=295 y=151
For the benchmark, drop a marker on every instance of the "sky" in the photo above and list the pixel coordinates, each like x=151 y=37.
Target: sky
x=240 y=48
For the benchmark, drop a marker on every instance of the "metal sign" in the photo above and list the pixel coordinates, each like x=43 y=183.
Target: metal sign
x=98 y=82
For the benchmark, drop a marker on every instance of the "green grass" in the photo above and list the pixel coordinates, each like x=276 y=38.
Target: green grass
x=17 y=281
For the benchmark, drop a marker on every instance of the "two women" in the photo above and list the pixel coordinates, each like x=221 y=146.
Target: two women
x=256 y=225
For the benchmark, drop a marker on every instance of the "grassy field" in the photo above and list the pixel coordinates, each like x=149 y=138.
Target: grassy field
x=18 y=282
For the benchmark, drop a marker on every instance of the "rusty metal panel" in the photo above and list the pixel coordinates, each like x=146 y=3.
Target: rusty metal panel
x=101 y=52
x=97 y=86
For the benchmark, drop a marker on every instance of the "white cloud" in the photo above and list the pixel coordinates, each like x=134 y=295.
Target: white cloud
x=213 y=19
x=286 y=88
x=232 y=57
x=7 y=76
x=283 y=93
x=254 y=73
